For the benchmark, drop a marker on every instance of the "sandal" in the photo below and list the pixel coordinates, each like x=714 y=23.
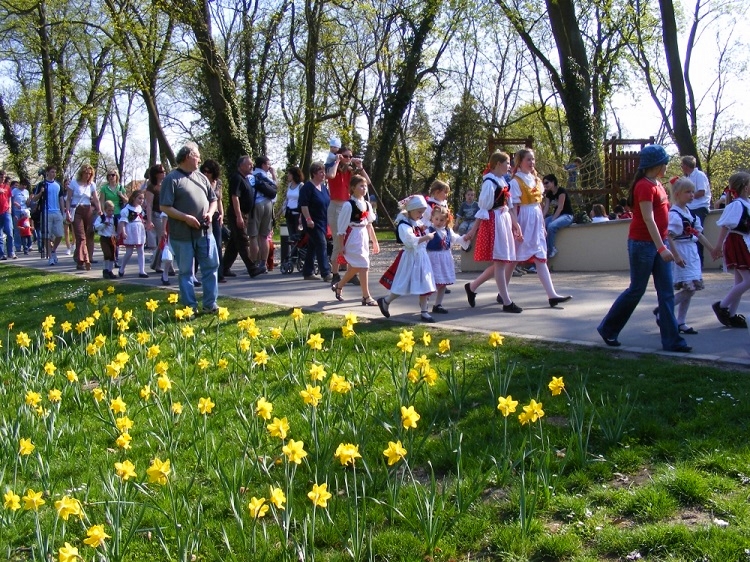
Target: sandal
x=369 y=301
x=336 y=289
x=685 y=329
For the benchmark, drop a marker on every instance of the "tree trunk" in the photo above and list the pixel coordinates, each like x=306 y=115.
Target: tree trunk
x=17 y=156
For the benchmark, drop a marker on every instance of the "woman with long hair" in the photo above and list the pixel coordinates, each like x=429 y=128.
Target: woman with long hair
x=82 y=207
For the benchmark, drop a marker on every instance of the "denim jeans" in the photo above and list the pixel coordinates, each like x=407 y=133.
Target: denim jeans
x=317 y=247
x=645 y=261
x=17 y=214
x=6 y=225
x=563 y=221
x=202 y=249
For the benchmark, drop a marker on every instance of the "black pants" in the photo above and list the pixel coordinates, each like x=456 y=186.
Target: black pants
x=701 y=213
x=239 y=244
x=317 y=247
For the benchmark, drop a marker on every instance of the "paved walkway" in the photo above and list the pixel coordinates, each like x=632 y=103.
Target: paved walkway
x=571 y=323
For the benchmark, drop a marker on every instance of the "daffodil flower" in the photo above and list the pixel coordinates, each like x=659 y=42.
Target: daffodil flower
x=556 y=386
x=506 y=405
x=347 y=453
x=95 y=536
x=395 y=452
x=319 y=495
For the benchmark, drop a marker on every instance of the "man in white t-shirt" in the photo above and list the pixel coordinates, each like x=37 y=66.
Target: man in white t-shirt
x=701 y=203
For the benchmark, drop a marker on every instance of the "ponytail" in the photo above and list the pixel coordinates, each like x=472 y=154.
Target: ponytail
x=639 y=175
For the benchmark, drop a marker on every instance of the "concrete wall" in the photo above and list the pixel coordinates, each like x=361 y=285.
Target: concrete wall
x=597 y=247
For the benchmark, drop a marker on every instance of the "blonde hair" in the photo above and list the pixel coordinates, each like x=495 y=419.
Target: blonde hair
x=498 y=157
x=680 y=185
x=107 y=205
x=84 y=169
x=440 y=211
x=438 y=185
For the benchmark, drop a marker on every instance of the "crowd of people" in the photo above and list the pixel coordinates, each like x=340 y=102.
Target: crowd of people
x=514 y=220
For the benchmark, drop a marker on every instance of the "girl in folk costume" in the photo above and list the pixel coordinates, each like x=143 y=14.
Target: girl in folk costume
x=438 y=197
x=734 y=245
x=498 y=229
x=105 y=225
x=411 y=272
x=132 y=230
x=684 y=232
x=526 y=192
x=440 y=254
x=355 y=232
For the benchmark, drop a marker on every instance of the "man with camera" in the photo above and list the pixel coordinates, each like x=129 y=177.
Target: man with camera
x=189 y=202
x=47 y=216
x=339 y=175
x=239 y=214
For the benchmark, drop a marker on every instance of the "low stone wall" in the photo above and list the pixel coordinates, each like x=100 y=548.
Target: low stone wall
x=596 y=247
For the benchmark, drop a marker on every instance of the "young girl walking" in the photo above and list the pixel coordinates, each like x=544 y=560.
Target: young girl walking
x=734 y=245
x=440 y=254
x=133 y=232
x=438 y=197
x=526 y=191
x=105 y=225
x=411 y=272
x=685 y=231
x=355 y=231
x=498 y=229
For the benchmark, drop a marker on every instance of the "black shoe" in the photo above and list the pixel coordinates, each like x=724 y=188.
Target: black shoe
x=559 y=300
x=166 y=282
x=121 y=273
x=470 y=295
x=610 y=342
x=685 y=329
x=439 y=309
x=106 y=274
x=222 y=280
x=336 y=278
x=722 y=314
x=499 y=299
x=197 y=283
x=425 y=317
x=447 y=291
x=656 y=316
x=143 y=275
x=681 y=349
x=383 y=307
x=254 y=272
x=512 y=307
x=229 y=273
x=737 y=321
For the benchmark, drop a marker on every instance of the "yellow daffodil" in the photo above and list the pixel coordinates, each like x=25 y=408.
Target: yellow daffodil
x=496 y=339
x=317 y=372
x=153 y=351
x=100 y=340
x=278 y=428
x=413 y=375
x=95 y=536
x=49 y=368
x=118 y=405
x=161 y=368
x=179 y=314
x=395 y=452
x=54 y=395
x=33 y=398
x=422 y=363
x=276 y=333
x=25 y=447
x=409 y=417
x=444 y=346
x=277 y=498
x=297 y=314
x=66 y=327
x=32 y=501
x=205 y=405
x=152 y=305
x=23 y=340
x=99 y=394
x=177 y=408
x=164 y=383
x=261 y=357
x=173 y=298
x=406 y=341
x=556 y=386
x=319 y=495
x=188 y=332
x=430 y=376
x=67 y=553
x=143 y=338
x=203 y=363
x=11 y=501
x=91 y=349
x=350 y=318
x=524 y=417
x=49 y=322
x=124 y=424
x=159 y=471
x=506 y=405
x=347 y=453
x=93 y=299
x=50 y=345
x=339 y=384
x=188 y=312
x=315 y=341
x=145 y=392
x=70 y=306
x=426 y=338
x=123 y=441
x=113 y=369
x=263 y=408
x=110 y=290
x=125 y=470
x=120 y=298
x=253 y=332
x=533 y=412
x=222 y=363
x=347 y=331
x=311 y=395
x=71 y=375
x=68 y=506
x=294 y=450
x=105 y=309
x=258 y=507
x=122 y=339
x=244 y=345
x=223 y=313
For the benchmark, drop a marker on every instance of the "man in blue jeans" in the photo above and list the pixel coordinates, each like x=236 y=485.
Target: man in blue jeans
x=558 y=211
x=187 y=199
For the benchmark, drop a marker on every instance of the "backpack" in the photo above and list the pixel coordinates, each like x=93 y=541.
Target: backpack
x=264 y=186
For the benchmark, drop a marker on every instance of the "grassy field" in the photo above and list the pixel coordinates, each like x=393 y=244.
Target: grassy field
x=148 y=437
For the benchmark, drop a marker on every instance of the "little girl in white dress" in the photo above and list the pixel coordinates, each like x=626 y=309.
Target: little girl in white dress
x=133 y=232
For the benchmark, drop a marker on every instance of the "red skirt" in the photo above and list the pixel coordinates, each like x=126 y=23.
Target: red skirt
x=736 y=255
x=485 y=239
x=387 y=279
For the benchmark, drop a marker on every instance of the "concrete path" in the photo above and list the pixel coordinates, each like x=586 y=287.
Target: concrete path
x=571 y=323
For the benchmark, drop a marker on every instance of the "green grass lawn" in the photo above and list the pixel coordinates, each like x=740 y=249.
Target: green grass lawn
x=643 y=457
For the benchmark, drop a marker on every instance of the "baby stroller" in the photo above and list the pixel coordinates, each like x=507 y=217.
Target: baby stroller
x=298 y=248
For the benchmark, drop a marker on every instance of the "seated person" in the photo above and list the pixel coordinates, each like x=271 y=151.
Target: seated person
x=557 y=209
x=626 y=213
x=598 y=213
x=467 y=212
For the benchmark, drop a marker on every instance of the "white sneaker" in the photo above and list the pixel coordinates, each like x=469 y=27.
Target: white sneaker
x=68 y=252
x=553 y=253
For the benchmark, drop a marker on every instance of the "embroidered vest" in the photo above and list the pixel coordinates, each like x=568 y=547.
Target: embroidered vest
x=529 y=195
x=688 y=226
x=357 y=213
x=501 y=194
x=439 y=243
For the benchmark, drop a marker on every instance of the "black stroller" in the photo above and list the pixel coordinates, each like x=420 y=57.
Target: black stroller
x=299 y=242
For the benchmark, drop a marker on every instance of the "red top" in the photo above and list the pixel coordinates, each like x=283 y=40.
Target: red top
x=645 y=190
x=5 y=198
x=339 y=185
